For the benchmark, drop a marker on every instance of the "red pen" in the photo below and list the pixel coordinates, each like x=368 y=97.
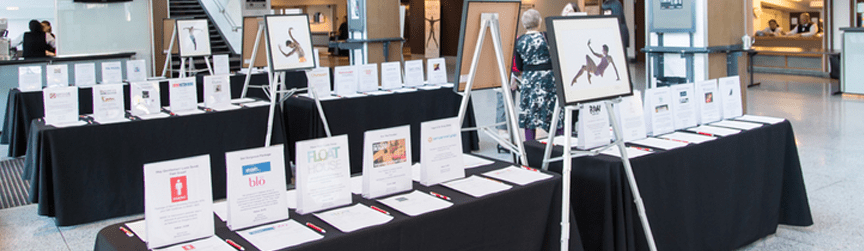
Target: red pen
x=530 y=169
x=643 y=149
x=316 y=228
x=678 y=140
x=234 y=244
x=379 y=210
x=706 y=134
x=439 y=195
x=128 y=233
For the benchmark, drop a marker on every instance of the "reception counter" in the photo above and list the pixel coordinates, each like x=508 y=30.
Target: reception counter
x=790 y=55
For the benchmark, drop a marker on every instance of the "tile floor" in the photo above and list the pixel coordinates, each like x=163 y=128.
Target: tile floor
x=827 y=131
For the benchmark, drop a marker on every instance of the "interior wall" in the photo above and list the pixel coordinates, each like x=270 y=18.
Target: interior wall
x=842 y=19
x=329 y=21
x=382 y=16
x=341 y=7
x=159 y=11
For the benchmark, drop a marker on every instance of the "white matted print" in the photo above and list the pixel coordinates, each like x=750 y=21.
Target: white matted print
x=194 y=37
x=290 y=42
x=588 y=58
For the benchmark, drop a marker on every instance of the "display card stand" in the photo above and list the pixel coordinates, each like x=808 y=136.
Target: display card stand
x=183 y=60
x=514 y=144
x=565 y=173
x=276 y=91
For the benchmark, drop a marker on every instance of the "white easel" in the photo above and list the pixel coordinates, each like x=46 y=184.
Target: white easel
x=515 y=145
x=183 y=61
x=565 y=173
x=277 y=86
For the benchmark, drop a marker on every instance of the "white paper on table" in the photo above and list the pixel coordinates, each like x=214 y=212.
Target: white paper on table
x=319 y=81
x=730 y=90
x=631 y=117
x=472 y=161
x=57 y=75
x=709 y=103
x=256 y=104
x=367 y=77
x=60 y=105
x=108 y=103
x=242 y=100
x=178 y=200
x=221 y=64
x=112 y=72
x=345 y=80
x=378 y=93
x=659 y=143
x=414 y=73
x=217 y=91
x=429 y=87
x=29 y=78
x=760 y=119
x=559 y=141
x=70 y=124
x=658 y=111
x=153 y=116
x=354 y=95
x=221 y=209
x=631 y=152
x=684 y=105
x=415 y=203
x=223 y=108
x=357 y=184
x=404 y=90
x=436 y=70
x=713 y=130
x=85 y=74
x=213 y=243
x=516 y=175
x=139 y=228
x=687 y=138
x=593 y=126
x=323 y=174
x=349 y=219
x=105 y=122
x=386 y=161
x=292 y=198
x=391 y=76
x=256 y=186
x=279 y=235
x=188 y=112
x=477 y=186
x=136 y=70
x=144 y=98
x=182 y=94
x=441 y=151
x=737 y=124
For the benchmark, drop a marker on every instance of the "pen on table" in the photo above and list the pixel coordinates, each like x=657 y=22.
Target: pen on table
x=380 y=210
x=128 y=233
x=530 y=169
x=439 y=195
x=234 y=244
x=706 y=134
x=678 y=140
x=316 y=228
x=493 y=180
x=643 y=149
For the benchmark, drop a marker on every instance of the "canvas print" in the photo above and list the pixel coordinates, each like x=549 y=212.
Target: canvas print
x=194 y=37
x=290 y=42
x=391 y=152
x=588 y=58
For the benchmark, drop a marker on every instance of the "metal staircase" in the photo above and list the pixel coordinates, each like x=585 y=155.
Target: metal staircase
x=192 y=9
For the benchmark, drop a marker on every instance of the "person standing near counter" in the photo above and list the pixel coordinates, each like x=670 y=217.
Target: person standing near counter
x=773 y=30
x=49 y=37
x=35 y=42
x=805 y=27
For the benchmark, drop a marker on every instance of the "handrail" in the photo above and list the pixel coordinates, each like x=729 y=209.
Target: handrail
x=234 y=26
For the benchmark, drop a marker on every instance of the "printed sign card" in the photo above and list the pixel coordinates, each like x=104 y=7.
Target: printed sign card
x=659 y=111
x=136 y=70
x=323 y=174
x=144 y=98
x=217 y=92
x=436 y=68
x=730 y=90
x=178 y=201
x=387 y=161
x=182 y=94
x=85 y=74
x=631 y=117
x=414 y=73
x=345 y=80
x=112 y=72
x=57 y=75
x=709 y=103
x=256 y=187
x=368 y=77
x=391 y=76
x=221 y=64
x=441 y=151
x=108 y=103
x=684 y=105
x=61 y=105
x=29 y=78
x=593 y=126
x=319 y=80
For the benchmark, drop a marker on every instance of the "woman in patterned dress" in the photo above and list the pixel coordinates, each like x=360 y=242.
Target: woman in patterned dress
x=538 y=83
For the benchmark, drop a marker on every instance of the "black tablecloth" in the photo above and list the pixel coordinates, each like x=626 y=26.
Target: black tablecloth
x=23 y=107
x=522 y=218
x=88 y=173
x=354 y=116
x=718 y=195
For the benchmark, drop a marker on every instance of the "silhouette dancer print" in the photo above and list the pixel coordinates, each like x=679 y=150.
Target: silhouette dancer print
x=597 y=69
x=295 y=47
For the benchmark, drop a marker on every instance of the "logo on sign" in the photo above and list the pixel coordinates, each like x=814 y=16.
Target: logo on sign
x=182 y=84
x=178 y=189
x=188 y=247
x=594 y=109
x=256 y=168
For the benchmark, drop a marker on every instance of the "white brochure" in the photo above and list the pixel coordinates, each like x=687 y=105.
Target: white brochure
x=631 y=117
x=139 y=228
x=387 y=161
x=221 y=64
x=136 y=70
x=30 y=78
x=593 y=126
x=741 y=125
x=441 y=151
x=684 y=105
x=85 y=74
x=391 y=76
x=658 y=109
x=415 y=203
x=477 y=186
x=319 y=80
x=713 y=131
x=57 y=75
x=217 y=92
x=472 y=161
x=436 y=68
x=414 y=73
x=348 y=219
x=368 y=78
x=730 y=95
x=108 y=103
x=279 y=235
x=178 y=201
x=144 y=98
x=61 y=105
x=517 y=175
x=709 y=103
x=632 y=152
x=256 y=186
x=323 y=174
x=182 y=94
x=559 y=141
x=112 y=72
x=345 y=80
x=357 y=184
x=213 y=243
x=760 y=119
x=659 y=143
x=687 y=138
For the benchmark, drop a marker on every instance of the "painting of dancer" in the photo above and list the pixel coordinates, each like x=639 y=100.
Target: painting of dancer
x=290 y=42
x=597 y=69
x=193 y=37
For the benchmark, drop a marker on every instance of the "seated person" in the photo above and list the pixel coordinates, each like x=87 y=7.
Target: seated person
x=805 y=28
x=773 y=30
x=35 y=43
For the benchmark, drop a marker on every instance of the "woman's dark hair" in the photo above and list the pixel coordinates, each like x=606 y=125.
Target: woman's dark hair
x=575 y=7
x=35 y=26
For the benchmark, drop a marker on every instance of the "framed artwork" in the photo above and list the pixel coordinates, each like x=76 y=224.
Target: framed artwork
x=194 y=37
x=487 y=68
x=290 y=42
x=250 y=30
x=588 y=58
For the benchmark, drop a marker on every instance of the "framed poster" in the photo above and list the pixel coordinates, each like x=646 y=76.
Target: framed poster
x=250 y=30
x=588 y=58
x=194 y=37
x=487 y=69
x=290 y=42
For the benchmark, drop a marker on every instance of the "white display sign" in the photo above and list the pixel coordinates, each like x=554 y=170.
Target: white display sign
x=436 y=69
x=144 y=98
x=441 y=151
x=221 y=64
x=182 y=94
x=85 y=74
x=256 y=187
x=319 y=80
x=368 y=78
x=57 y=75
x=593 y=126
x=709 y=103
x=387 y=161
x=61 y=105
x=323 y=174
x=217 y=92
x=136 y=70
x=391 y=76
x=178 y=201
x=659 y=110
x=108 y=103
x=730 y=92
x=29 y=78
x=631 y=117
x=345 y=80
x=112 y=72
x=414 y=73
x=684 y=105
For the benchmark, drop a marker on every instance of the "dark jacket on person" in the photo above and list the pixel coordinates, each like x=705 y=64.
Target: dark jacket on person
x=34 y=41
